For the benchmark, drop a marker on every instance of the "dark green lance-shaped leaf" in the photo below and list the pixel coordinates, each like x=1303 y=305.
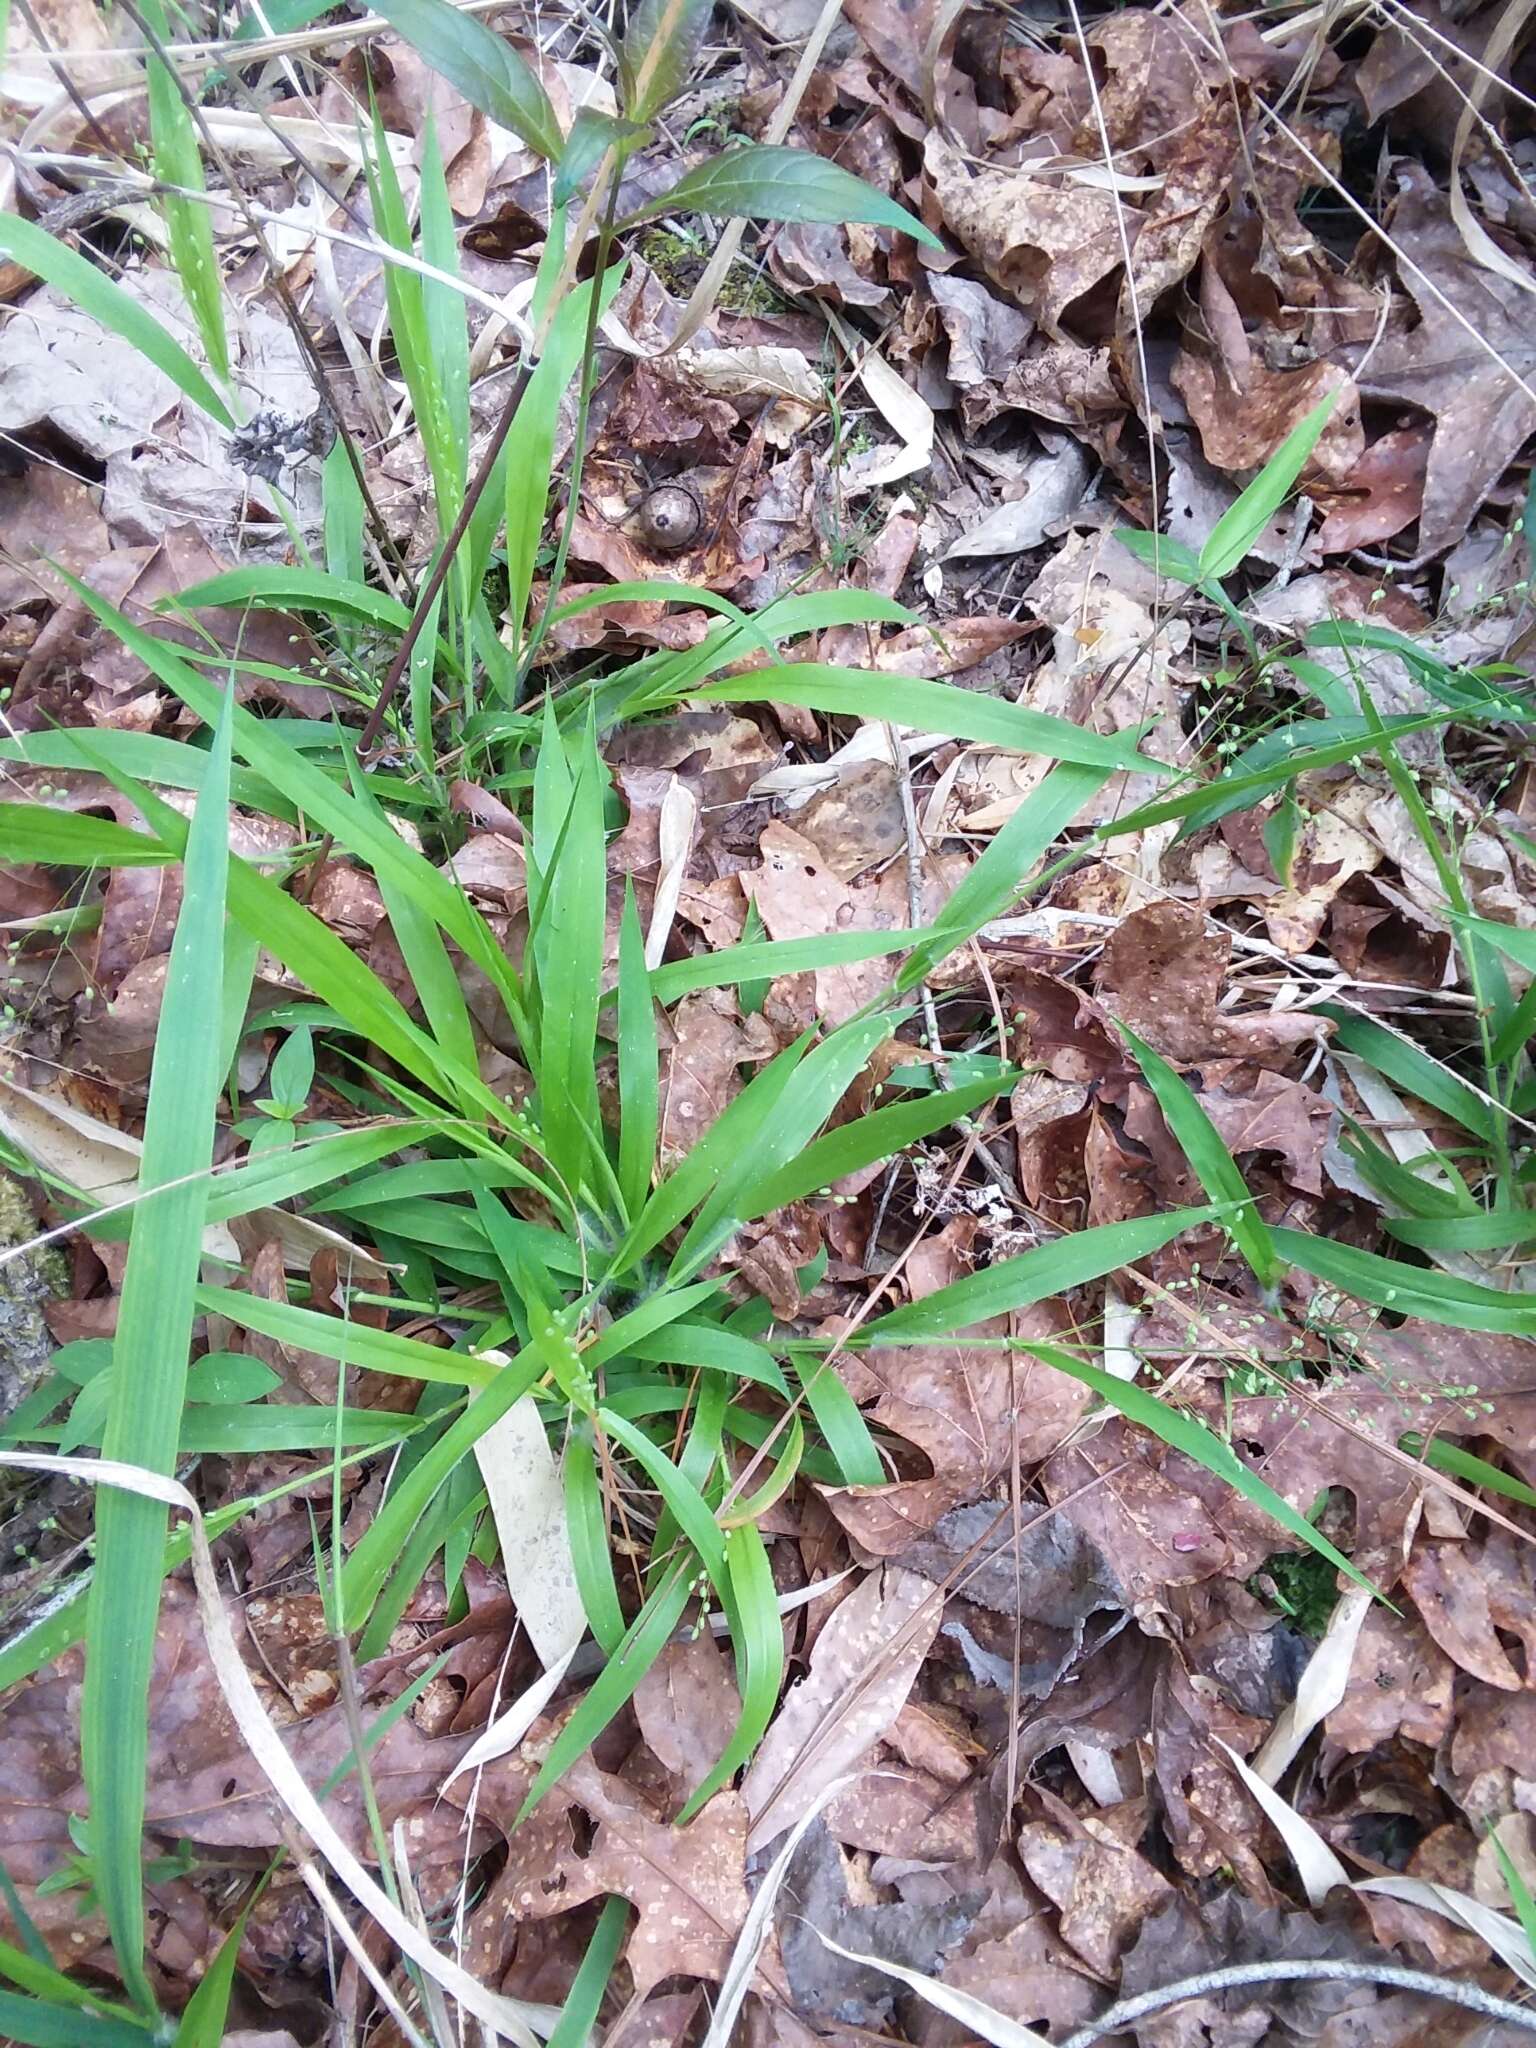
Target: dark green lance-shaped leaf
x=592 y=132
x=766 y=181
x=482 y=65
x=661 y=40
x=95 y=293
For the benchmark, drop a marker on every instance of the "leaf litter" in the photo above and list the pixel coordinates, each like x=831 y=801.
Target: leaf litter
x=1002 y=1639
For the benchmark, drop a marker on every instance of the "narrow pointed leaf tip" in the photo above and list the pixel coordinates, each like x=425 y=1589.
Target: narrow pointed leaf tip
x=765 y=181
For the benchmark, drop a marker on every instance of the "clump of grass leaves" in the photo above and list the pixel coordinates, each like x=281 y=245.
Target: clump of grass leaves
x=608 y=1326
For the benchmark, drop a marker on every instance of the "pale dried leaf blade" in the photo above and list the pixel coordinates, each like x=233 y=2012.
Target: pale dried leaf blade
x=1320 y=1689
x=676 y=824
x=754 y=1929
x=1319 y=1869
x=508 y=1729
x=1503 y=1935
x=982 y=2019
x=522 y=1483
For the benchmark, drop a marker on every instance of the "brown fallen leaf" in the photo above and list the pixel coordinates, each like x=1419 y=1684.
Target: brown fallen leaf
x=686 y=1884
x=861 y=1672
x=1103 y=1887
x=1243 y=422
x=969 y=1408
x=1042 y=241
x=1164 y=971
x=1482 y=416
x=683 y=1703
x=1400 y=1681
x=1382 y=494
x=1451 y=1595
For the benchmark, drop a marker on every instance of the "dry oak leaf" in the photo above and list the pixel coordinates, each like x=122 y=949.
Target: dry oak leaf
x=687 y=1884
x=1103 y=1886
x=963 y=1405
x=1400 y=1682
x=861 y=1671
x=1043 y=242
x=1382 y=494
x=1449 y=1590
x=1165 y=969
x=1466 y=380
x=1243 y=419
x=683 y=1703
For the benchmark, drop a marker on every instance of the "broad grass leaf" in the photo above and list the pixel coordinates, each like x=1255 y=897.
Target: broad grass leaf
x=1190 y=1436
x=117 y=310
x=274 y=585
x=767 y=181
x=1202 y=1145
x=178 y=161
x=930 y=707
x=1049 y=1270
x=150 y=1350
x=1432 y=1296
x=38 y=832
x=1242 y=522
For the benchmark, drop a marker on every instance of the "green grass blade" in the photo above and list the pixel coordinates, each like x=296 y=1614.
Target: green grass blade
x=1408 y=1066
x=578 y=2016
x=613 y=1688
x=1475 y=1471
x=202 y=2023
x=757 y=1635
x=1409 y=1290
x=349 y=1343
x=1186 y=1434
x=687 y=1506
x=150 y=1353
x=1241 y=524
x=530 y=451
x=1203 y=1147
x=38 y=832
x=929 y=707
x=868 y=1139
x=570 y=849
x=765 y=959
x=116 y=310
x=178 y=161
x=1002 y=870
x=1034 y=1276
x=839 y=1419
x=34 y=2025
x=639 y=1068
x=591 y=1545
x=273 y=586
x=814 y=1089
x=327 y=806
